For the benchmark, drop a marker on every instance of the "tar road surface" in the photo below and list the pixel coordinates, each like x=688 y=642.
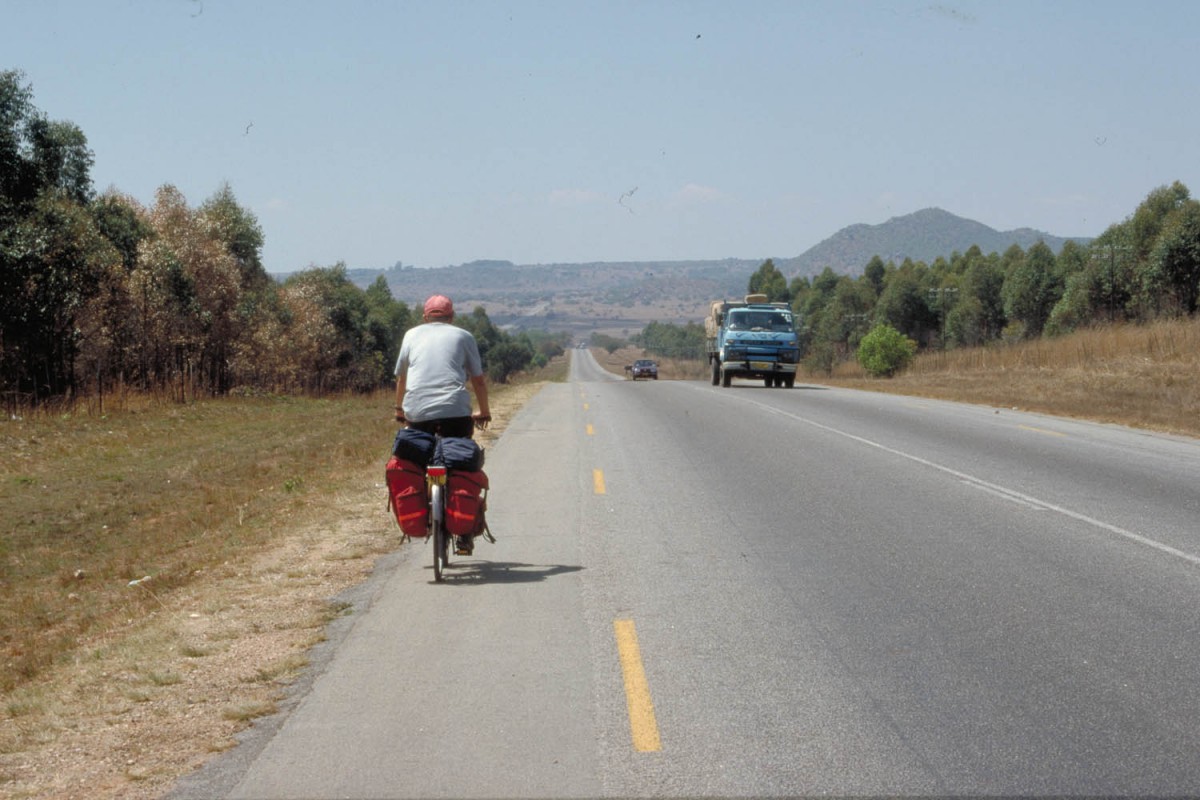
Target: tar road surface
x=756 y=592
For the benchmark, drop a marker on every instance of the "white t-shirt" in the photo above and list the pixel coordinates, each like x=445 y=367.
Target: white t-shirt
x=436 y=360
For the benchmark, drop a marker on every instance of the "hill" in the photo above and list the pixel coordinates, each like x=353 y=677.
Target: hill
x=621 y=298
x=611 y=297
x=922 y=236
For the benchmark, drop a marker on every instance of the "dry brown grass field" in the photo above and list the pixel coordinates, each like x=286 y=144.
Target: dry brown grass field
x=165 y=568
x=1142 y=376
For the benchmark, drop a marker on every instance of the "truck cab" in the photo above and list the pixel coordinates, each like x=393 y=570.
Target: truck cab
x=752 y=339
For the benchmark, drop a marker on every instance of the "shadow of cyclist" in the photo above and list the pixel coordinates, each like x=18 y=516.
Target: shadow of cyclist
x=472 y=572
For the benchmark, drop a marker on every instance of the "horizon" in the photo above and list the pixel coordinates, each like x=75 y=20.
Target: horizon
x=446 y=133
x=760 y=259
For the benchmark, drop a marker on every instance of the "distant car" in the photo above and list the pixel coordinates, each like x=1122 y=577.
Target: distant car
x=644 y=368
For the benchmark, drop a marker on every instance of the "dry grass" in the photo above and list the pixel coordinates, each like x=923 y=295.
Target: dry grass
x=97 y=504
x=1142 y=376
x=247 y=516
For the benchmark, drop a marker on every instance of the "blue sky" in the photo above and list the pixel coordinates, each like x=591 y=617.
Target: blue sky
x=436 y=133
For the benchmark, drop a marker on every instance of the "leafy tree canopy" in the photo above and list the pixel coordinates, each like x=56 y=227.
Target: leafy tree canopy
x=770 y=281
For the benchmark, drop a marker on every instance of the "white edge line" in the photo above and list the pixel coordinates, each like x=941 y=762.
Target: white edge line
x=1009 y=493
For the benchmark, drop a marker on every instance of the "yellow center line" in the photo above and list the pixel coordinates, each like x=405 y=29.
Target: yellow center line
x=642 y=724
x=586 y=406
x=598 y=481
x=590 y=429
x=1041 y=430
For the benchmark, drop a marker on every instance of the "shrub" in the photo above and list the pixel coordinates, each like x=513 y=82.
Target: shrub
x=885 y=351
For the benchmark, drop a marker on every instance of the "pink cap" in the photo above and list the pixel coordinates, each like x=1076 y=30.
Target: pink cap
x=439 y=306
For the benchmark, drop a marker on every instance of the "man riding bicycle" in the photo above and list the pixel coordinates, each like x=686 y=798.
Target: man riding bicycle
x=436 y=362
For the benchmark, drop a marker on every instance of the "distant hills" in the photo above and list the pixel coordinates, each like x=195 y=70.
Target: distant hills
x=921 y=236
x=622 y=297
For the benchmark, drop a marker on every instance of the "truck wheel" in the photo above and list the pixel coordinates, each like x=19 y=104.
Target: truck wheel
x=789 y=381
x=716 y=372
x=726 y=378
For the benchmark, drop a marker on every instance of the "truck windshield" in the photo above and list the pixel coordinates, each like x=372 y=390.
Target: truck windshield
x=760 y=321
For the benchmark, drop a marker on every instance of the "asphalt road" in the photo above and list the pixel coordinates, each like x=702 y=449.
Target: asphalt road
x=754 y=592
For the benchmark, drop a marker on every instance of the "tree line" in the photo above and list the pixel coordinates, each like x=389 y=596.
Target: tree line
x=1143 y=268
x=99 y=292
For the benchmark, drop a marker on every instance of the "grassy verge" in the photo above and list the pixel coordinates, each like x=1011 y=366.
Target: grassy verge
x=1145 y=376
x=166 y=569
x=107 y=514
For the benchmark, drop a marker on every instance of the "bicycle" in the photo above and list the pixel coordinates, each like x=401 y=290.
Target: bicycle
x=435 y=484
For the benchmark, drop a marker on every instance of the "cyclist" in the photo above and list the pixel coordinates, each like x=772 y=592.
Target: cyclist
x=437 y=361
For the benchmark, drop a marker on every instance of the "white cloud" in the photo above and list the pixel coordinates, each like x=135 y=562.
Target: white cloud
x=573 y=197
x=694 y=194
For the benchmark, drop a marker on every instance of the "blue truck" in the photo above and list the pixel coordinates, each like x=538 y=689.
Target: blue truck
x=752 y=339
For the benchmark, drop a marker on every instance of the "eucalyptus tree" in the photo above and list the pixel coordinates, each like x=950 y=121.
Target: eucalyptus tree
x=238 y=228
x=1172 y=272
x=874 y=273
x=55 y=260
x=52 y=255
x=768 y=280
x=386 y=323
x=1032 y=288
x=905 y=304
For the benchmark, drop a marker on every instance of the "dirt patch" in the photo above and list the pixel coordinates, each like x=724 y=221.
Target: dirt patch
x=153 y=698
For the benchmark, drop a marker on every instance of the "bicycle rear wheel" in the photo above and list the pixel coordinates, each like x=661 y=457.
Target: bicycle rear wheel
x=441 y=541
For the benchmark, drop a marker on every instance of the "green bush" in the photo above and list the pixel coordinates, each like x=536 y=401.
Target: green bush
x=609 y=343
x=885 y=351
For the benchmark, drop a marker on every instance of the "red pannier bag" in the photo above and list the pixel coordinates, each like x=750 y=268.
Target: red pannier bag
x=407 y=497
x=466 y=501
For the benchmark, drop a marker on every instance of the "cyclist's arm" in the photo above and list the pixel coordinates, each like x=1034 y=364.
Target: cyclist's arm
x=479 y=384
x=400 y=389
